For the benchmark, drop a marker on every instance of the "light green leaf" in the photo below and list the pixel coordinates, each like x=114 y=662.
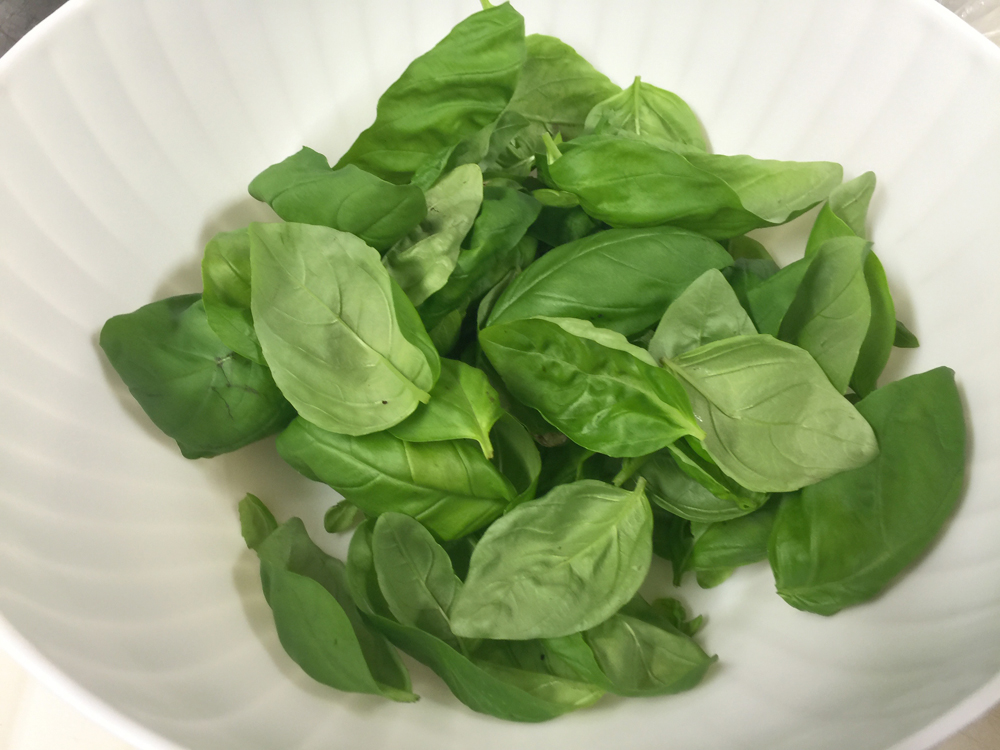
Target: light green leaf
x=773 y=421
x=557 y=565
x=463 y=404
x=422 y=261
x=339 y=342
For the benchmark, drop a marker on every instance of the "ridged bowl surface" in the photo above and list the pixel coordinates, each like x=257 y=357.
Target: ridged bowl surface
x=129 y=130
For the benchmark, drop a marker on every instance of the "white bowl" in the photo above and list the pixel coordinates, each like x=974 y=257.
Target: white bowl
x=128 y=133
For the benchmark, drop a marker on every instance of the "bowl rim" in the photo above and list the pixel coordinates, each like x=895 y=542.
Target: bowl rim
x=38 y=666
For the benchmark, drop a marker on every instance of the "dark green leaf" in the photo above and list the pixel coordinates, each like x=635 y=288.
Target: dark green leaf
x=621 y=279
x=606 y=399
x=191 y=385
x=842 y=541
x=516 y=457
x=449 y=486
x=723 y=546
x=445 y=95
x=304 y=189
x=904 y=339
x=318 y=624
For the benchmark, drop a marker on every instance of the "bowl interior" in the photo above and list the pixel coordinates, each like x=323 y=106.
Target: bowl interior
x=130 y=131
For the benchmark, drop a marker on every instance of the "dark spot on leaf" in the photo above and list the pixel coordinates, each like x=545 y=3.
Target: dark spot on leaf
x=384 y=402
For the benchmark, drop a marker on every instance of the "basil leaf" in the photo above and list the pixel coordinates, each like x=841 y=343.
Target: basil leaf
x=708 y=310
x=904 y=339
x=494 y=249
x=422 y=261
x=845 y=212
x=831 y=312
x=558 y=88
x=341 y=517
x=225 y=274
x=561 y=464
x=446 y=334
x=640 y=658
x=726 y=545
x=256 y=521
x=560 y=226
x=631 y=183
x=304 y=189
x=772 y=420
x=672 y=540
x=693 y=459
x=556 y=565
x=463 y=404
x=770 y=299
x=318 y=624
x=516 y=457
x=449 y=486
x=459 y=87
x=414 y=575
x=496 y=692
x=621 y=279
x=192 y=386
x=844 y=540
x=605 y=399
x=334 y=333
x=673 y=490
x=877 y=346
x=645 y=111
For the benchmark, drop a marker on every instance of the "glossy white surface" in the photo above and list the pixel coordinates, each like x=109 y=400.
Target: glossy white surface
x=130 y=130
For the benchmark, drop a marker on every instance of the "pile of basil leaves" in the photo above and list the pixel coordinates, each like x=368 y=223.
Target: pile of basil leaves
x=520 y=328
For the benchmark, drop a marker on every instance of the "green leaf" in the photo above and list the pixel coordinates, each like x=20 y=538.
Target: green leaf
x=341 y=517
x=318 y=623
x=672 y=540
x=674 y=490
x=446 y=334
x=904 y=339
x=449 y=486
x=640 y=658
x=422 y=261
x=333 y=331
x=561 y=464
x=673 y=614
x=463 y=404
x=225 y=274
x=693 y=459
x=631 y=183
x=556 y=565
x=723 y=546
x=191 y=385
x=844 y=540
x=708 y=310
x=498 y=693
x=770 y=299
x=845 y=212
x=494 y=249
x=621 y=279
x=605 y=399
x=304 y=189
x=772 y=420
x=517 y=457
x=256 y=521
x=877 y=346
x=459 y=87
x=560 y=226
x=645 y=111
x=414 y=575
x=831 y=312
x=558 y=88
